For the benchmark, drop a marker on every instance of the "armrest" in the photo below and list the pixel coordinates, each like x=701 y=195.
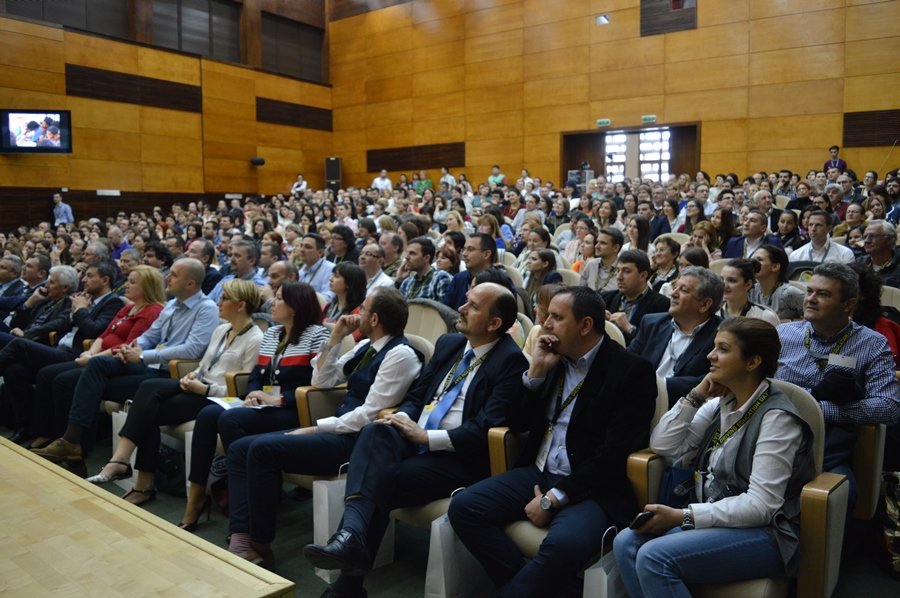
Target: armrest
x=868 y=459
x=236 y=383
x=316 y=403
x=386 y=411
x=642 y=468
x=504 y=447
x=52 y=338
x=823 y=511
x=178 y=368
x=86 y=343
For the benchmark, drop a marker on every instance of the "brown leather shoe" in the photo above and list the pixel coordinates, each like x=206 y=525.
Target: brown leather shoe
x=60 y=450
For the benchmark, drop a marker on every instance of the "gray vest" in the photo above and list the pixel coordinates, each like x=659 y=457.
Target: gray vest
x=732 y=473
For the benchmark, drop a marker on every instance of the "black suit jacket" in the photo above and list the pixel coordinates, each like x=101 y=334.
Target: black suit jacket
x=489 y=397
x=651 y=303
x=46 y=317
x=735 y=247
x=610 y=420
x=652 y=340
x=13 y=297
x=92 y=321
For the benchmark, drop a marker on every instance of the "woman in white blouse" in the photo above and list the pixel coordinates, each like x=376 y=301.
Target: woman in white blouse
x=750 y=452
x=739 y=276
x=234 y=347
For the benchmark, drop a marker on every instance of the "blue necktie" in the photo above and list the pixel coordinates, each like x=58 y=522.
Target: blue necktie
x=443 y=406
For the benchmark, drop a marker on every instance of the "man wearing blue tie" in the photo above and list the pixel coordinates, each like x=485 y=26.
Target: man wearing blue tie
x=436 y=441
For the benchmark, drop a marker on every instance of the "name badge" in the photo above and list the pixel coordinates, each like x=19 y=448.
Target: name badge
x=842 y=361
x=160 y=346
x=429 y=408
x=272 y=390
x=544 y=451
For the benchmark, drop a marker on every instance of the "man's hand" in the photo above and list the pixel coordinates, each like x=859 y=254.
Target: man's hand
x=80 y=301
x=17 y=332
x=535 y=513
x=407 y=428
x=130 y=353
x=620 y=319
x=344 y=326
x=37 y=297
x=402 y=272
x=303 y=431
x=544 y=356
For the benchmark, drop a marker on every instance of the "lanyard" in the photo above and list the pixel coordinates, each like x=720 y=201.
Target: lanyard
x=414 y=290
x=612 y=272
x=171 y=323
x=560 y=404
x=220 y=350
x=718 y=440
x=316 y=271
x=824 y=257
x=723 y=311
x=276 y=359
x=448 y=385
x=822 y=360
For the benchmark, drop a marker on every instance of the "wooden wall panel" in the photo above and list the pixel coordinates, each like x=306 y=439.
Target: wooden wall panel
x=719 y=40
x=556 y=34
x=797 y=64
x=436 y=32
x=871 y=57
x=627 y=26
x=438 y=56
x=493 y=76
x=479 y=101
x=718 y=136
x=637 y=81
x=872 y=21
x=493 y=125
x=561 y=90
x=557 y=63
x=806 y=97
x=873 y=92
x=718 y=13
x=702 y=105
x=762 y=9
x=794 y=132
x=793 y=31
x=643 y=51
x=708 y=73
x=439 y=106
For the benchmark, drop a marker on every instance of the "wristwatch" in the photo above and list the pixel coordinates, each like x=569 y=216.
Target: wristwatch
x=687 y=519
x=546 y=503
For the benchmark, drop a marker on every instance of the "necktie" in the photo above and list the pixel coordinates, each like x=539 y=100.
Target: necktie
x=450 y=396
x=366 y=358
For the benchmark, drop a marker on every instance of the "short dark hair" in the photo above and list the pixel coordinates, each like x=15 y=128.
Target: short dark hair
x=755 y=337
x=636 y=257
x=251 y=247
x=747 y=268
x=842 y=273
x=161 y=251
x=106 y=268
x=779 y=256
x=391 y=308
x=587 y=303
x=208 y=249
x=345 y=233
x=395 y=239
x=487 y=244
x=320 y=242
x=303 y=300
x=44 y=263
x=427 y=246
x=617 y=236
x=368 y=224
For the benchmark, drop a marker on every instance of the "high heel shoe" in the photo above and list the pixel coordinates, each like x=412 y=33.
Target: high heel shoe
x=192 y=525
x=149 y=496
x=261 y=555
x=103 y=479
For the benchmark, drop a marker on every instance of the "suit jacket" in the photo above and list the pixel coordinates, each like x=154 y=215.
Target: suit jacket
x=651 y=303
x=92 y=321
x=610 y=420
x=652 y=340
x=774 y=217
x=44 y=318
x=489 y=397
x=12 y=297
x=735 y=246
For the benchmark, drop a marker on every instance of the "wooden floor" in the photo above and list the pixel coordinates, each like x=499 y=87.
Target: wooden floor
x=63 y=536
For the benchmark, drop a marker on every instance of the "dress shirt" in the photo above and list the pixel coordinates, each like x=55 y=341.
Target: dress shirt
x=240 y=356
x=681 y=431
x=69 y=338
x=395 y=375
x=379 y=280
x=678 y=343
x=432 y=286
x=253 y=276
x=184 y=330
x=874 y=364
x=318 y=276
x=598 y=277
x=439 y=440
x=62 y=214
x=558 y=458
x=830 y=252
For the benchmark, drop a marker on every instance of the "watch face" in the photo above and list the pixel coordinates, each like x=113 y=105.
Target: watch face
x=545 y=503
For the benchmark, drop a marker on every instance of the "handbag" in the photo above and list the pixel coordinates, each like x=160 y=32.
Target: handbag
x=603 y=579
x=676 y=486
x=328 y=510
x=452 y=570
x=170 y=472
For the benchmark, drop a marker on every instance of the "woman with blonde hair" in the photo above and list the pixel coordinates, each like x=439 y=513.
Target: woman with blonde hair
x=233 y=348
x=386 y=224
x=704 y=236
x=488 y=224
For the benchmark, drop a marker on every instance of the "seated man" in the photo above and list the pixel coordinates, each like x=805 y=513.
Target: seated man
x=371 y=260
x=90 y=313
x=599 y=274
x=848 y=368
x=46 y=310
x=479 y=253
x=634 y=299
x=279 y=273
x=34 y=273
x=821 y=248
x=419 y=278
x=182 y=331
x=468 y=386
x=882 y=255
x=754 y=236
x=677 y=342
x=244 y=260
x=205 y=251
x=378 y=372
x=315 y=270
x=571 y=474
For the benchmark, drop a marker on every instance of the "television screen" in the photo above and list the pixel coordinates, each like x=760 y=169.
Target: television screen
x=35 y=131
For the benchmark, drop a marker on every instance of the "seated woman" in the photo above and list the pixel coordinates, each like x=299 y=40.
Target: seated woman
x=544 y=294
x=378 y=373
x=739 y=276
x=285 y=356
x=755 y=454
x=772 y=288
x=691 y=256
x=703 y=235
x=854 y=217
x=869 y=311
x=541 y=271
x=789 y=231
x=586 y=253
x=343 y=245
x=348 y=283
x=55 y=384
x=447 y=259
x=233 y=348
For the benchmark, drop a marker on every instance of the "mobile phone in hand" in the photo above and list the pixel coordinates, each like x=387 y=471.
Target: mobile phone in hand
x=642 y=518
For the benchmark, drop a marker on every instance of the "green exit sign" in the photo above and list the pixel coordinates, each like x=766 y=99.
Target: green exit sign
x=648 y=118
x=603 y=122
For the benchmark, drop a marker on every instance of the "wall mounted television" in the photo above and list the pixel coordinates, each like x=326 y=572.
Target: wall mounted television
x=35 y=131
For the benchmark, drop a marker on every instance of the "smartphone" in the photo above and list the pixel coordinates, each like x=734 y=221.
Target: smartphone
x=642 y=518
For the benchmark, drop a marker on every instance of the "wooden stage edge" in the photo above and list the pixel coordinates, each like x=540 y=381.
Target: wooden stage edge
x=60 y=535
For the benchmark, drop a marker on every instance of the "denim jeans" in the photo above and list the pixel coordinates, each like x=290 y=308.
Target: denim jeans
x=655 y=566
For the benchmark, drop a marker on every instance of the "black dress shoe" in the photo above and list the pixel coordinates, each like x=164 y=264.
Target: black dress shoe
x=330 y=593
x=344 y=551
x=19 y=436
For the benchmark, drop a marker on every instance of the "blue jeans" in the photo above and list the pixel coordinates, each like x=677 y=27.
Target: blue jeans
x=663 y=565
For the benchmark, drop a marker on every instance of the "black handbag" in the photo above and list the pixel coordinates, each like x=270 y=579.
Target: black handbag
x=170 y=475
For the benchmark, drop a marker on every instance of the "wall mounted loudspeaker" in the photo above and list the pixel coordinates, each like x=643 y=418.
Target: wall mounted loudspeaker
x=333 y=173
x=257 y=161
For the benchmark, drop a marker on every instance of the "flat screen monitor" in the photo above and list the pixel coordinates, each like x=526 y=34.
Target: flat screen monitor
x=35 y=131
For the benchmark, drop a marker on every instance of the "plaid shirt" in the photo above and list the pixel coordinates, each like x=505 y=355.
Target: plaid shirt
x=433 y=286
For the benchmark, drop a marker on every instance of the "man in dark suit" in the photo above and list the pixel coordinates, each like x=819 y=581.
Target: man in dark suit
x=754 y=237
x=479 y=253
x=91 y=312
x=437 y=439
x=588 y=404
x=10 y=271
x=33 y=272
x=677 y=342
x=765 y=203
x=634 y=299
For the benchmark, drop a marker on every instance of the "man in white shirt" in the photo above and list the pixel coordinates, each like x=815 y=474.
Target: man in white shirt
x=371 y=260
x=316 y=270
x=820 y=248
x=382 y=182
x=599 y=274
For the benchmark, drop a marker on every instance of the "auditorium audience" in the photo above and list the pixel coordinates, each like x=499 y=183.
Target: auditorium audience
x=739 y=278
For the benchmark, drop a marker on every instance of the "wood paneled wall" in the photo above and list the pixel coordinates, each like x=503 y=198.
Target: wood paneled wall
x=770 y=80
x=151 y=146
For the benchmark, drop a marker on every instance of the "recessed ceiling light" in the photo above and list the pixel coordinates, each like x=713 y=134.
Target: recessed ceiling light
x=601 y=19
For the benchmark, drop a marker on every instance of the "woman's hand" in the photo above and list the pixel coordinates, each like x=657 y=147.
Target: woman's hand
x=664 y=518
x=190 y=384
x=258 y=397
x=707 y=388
